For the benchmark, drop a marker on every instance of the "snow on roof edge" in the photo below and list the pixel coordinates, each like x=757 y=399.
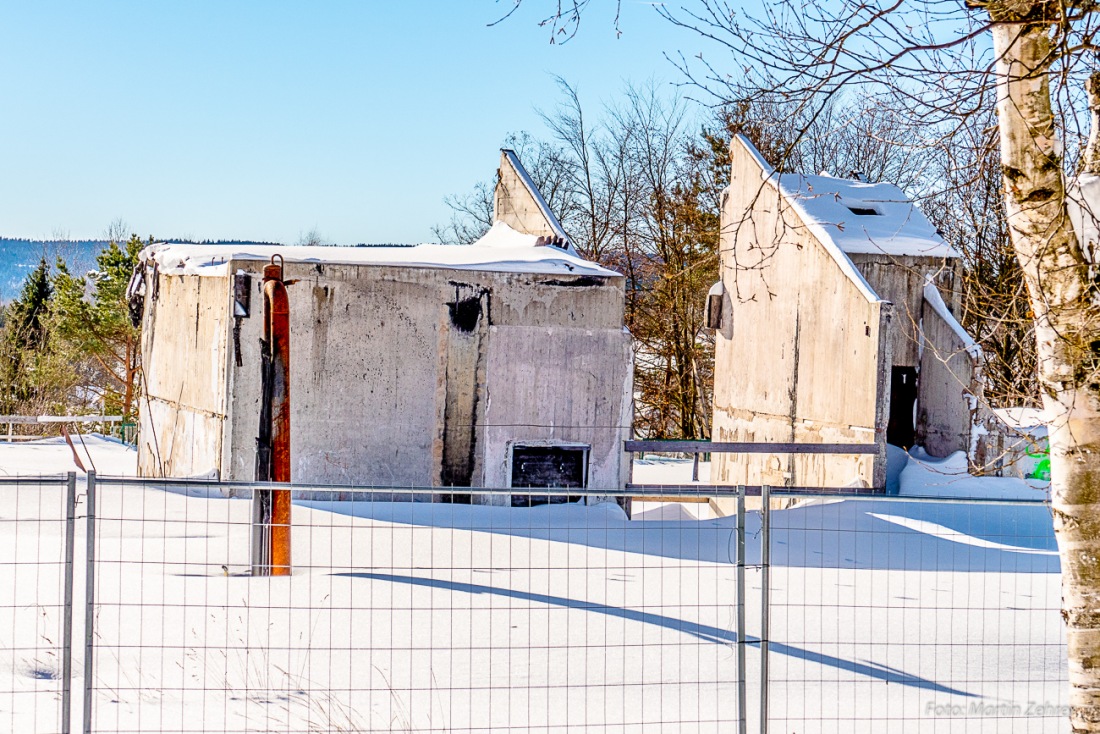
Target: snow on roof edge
x=502 y=250
x=768 y=175
x=934 y=299
x=910 y=235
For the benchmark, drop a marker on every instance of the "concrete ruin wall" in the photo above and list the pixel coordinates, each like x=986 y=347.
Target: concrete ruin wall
x=802 y=354
x=948 y=376
x=900 y=280
x=949 y=389
x=395 y=371
x=515 y=205
x=553 y=384
x=184 y=357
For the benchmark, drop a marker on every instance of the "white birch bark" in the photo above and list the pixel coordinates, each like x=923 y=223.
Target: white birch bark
x=1063 y=299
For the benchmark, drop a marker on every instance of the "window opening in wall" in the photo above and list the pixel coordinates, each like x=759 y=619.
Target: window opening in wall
x=545 y=466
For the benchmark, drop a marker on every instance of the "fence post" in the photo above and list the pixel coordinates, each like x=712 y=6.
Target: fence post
x=742 y=690
x=89 y=608
x=765 y=600
x=67 y=620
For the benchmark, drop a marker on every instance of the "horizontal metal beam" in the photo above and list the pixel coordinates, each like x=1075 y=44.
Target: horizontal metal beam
x=364 y=494
x=719 y=447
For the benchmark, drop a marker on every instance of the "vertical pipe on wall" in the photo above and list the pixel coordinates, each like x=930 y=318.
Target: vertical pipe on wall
x=271 y=507
x=765 y=600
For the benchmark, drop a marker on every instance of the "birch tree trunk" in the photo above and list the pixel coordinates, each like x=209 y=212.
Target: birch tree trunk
x=1066 y=326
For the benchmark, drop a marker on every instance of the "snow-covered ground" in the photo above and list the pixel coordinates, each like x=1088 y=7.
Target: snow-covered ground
x=52 y=456
x=887 y=615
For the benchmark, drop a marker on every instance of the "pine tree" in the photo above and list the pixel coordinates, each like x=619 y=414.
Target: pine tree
x=27 y=315
x=91 y=323
x=24 y=340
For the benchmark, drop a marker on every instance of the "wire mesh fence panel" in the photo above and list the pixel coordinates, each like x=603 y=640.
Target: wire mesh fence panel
x=898 y=615
x=35 y=523
x=409 y=616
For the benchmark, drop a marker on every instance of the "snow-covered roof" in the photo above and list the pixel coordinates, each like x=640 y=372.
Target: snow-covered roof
x=502 y=250
x=859 y=217
x=1022 y=417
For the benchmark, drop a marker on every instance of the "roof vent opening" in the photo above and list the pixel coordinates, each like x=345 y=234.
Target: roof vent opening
x=865 y=211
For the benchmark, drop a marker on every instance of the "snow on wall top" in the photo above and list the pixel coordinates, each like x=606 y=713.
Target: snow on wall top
x=934 y=299
x=865 y=218
x=501 y=250
x=858 y=217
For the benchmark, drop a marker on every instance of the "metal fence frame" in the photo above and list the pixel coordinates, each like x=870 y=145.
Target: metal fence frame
x=68 y=517
x=739 y=493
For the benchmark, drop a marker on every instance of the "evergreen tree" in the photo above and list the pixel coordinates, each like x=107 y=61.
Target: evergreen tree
x=27 y=315
x=23 y=341
x=91 y=323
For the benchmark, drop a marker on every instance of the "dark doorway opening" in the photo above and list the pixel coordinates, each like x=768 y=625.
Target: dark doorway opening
x=901 y=429
x=548 y=466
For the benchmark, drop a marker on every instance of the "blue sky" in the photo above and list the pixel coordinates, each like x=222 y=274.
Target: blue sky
x=265 y=120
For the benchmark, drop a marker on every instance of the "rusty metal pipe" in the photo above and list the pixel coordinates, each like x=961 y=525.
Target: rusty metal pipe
x=271 y=514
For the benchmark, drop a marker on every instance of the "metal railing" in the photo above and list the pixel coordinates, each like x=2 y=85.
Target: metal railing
x=28 y=420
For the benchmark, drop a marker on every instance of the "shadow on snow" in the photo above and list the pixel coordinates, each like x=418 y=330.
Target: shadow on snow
x=703 y=632
x=850 y=534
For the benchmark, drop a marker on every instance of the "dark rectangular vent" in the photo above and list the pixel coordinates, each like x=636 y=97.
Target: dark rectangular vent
x=548 y=466
x=865 y=211
x=714 y=311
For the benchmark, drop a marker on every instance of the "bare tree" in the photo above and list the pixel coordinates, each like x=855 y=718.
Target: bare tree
x=312 y=238
x=596 y=171
x=968 y=208
x=471 y=216
x=942 y=63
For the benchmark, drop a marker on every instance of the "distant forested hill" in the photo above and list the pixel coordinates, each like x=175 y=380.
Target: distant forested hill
x=19 y=257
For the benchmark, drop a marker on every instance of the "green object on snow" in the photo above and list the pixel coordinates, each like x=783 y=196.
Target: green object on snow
x=1042 y=468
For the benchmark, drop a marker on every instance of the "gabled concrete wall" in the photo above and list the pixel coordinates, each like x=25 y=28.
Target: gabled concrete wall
x=518 y=204
x=803 y=352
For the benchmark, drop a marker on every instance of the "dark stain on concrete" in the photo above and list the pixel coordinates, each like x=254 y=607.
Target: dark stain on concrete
x=466 y=343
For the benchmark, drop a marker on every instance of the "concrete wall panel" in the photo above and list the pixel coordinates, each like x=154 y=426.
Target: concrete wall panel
x=564 y=385
x=901 y=280
x=184 y=354
x=949 y=389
